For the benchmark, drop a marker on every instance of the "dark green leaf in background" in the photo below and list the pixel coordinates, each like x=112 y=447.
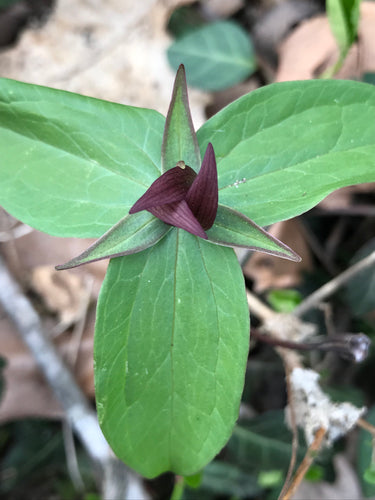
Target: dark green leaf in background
x=6 y=3
x=369 y=78
x=184 y=19
x=216 y=56
x=284 y=301
x=284 y=147
x=263 y=443
x=171 y=347
x=360 y=290
x=365 y=455
x=228 y=479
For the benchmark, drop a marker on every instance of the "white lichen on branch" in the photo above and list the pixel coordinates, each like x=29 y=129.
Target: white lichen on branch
x=314 y=409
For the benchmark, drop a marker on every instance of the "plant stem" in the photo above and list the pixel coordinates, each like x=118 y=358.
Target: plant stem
x=178 y=488
x=305 y=464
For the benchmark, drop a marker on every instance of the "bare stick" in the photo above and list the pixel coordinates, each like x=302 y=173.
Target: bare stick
x=71 y=458
x=257 y=307
x=293 y=424
x=266 y=314
x=78 y=412
x=329 y=288
x=305 y=464
x=361 y=422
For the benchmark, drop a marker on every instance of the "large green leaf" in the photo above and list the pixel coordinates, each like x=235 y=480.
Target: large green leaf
x=281 y=149
x=73 y=165
x=216 y=56
x=360 y=289
x=171 y=346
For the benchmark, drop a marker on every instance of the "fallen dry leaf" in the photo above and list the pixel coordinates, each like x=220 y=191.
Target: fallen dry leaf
x=311 y=48
x=222 y=98
x=111 y=50
x=343 y=198
x=26 y=253
x=64 y=293
x=26 y=393
x=345 y=487
x=221 y=8
x=270 y=272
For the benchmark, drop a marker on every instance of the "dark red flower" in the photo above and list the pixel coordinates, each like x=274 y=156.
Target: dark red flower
x=184 y=199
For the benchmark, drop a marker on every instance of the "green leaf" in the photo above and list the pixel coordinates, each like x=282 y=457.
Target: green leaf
x=369 y=78
x=365 y=453
x=180 y=140
x=195 y=480
x=284 y=301
x=73 y=165
x=132 y=234
x=282 y=148
x=185 y=19
x=315 y=474
x=228 y=479
x=360 y=290
x=216 y=56
x=232 y=228
x=270 y=478
x=6 y=3
x=369 y=475
x=171 y=346
x=343 y=16
x=263 y=443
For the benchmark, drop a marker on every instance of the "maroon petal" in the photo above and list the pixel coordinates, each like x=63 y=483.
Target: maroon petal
x=202 y=196
x=170 y=187
x=179 y=214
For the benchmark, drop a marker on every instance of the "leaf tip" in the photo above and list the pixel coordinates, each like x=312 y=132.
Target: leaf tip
x=68 y=265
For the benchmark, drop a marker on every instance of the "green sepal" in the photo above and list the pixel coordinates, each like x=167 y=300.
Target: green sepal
x=131 y=234
x=231 y=228
x=179 y=140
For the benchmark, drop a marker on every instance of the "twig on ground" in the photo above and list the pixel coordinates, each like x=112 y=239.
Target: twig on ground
x=308 y=406
x=361 y=422
x=351 y=346
x=257 y=307
x=71 y=457
x=332 y=286
x=318 y=250
x=290 y=360
x=80 y=324
x=79 y=414
x=294 y=427
x=305 y=464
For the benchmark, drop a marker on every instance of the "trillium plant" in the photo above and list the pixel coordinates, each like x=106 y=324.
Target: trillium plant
x=172 y=329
